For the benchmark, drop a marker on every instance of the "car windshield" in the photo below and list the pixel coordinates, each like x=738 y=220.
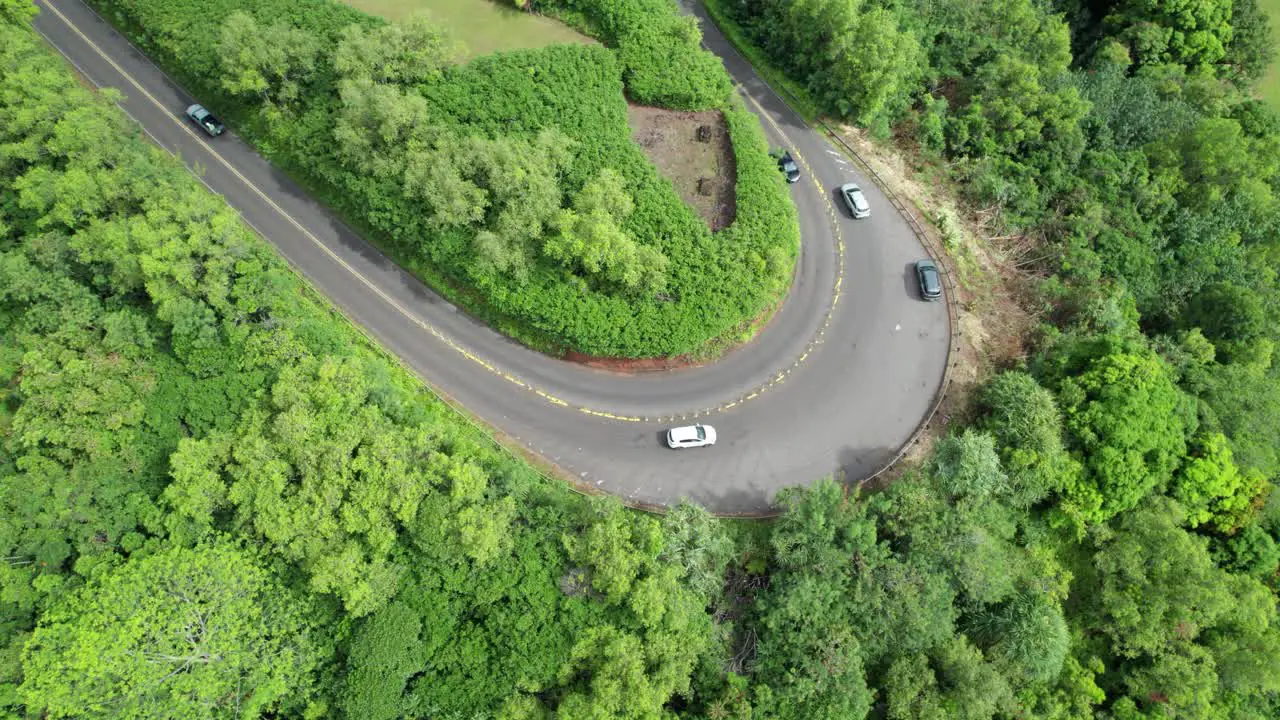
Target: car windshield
x=702 y=434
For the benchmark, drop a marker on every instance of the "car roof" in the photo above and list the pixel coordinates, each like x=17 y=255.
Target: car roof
x=855 y=192
x=688 y=432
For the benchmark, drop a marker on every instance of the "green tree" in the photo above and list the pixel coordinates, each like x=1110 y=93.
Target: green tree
x=1245 y=397
x=271 y=62
x=1227 y=314
x=375 y=125
x=809 y=655
x=1182 y=683
x=1158 y=585
x=1213 y=490
x=910 y=690
x=663 y=58
x=1214 y=161
x=819 y=529
x=1024 y=419
x=697 y=545
x=1017 y=109
x=1251 y=49
x=1251 y=551
x=436 y=177
x=811 y=651
x=469 y=519
x=522 y=179
x=86 y=456
x=414 y=50
x=1072 y=696
x=321 y=475
x=1245 y=643
x=965 y=544
x=872 y=68
x=522 y=707
x=1026 y=637
x=17 y=12
x=658 y=630
x=615 y=547
x=953 y=681
x=385 y=654
x=617 y=684
x=1193 y=33
x=590 y=239
x=184 y=633
x=967 y=466
x=1127 y=423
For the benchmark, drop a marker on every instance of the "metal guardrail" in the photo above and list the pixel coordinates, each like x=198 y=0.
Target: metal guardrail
x=927 y=238
x=936 y=249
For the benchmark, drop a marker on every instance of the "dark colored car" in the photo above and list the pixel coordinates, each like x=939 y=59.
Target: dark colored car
x=787 y=165
x=205 y=119
x=930 y=280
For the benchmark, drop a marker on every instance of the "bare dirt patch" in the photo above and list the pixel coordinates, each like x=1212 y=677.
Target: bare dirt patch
x=994 y=304
x=692 y=150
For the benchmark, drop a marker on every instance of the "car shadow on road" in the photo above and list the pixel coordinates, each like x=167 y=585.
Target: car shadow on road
x=740 y=501
x=910 y=283
x=838 y=201
x=859 y=463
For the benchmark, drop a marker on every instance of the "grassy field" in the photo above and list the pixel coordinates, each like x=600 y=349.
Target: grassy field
x=1269 y=86
x=483 y=25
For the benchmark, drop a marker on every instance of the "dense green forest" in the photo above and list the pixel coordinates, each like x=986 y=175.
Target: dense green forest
x=510 y=183
x=218 y=500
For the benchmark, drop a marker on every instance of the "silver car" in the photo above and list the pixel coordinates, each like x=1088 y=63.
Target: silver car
x=691 y=436
x=855 y=200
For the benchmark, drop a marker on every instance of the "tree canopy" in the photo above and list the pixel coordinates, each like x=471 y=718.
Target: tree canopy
x=183 y=633
x=217 y=498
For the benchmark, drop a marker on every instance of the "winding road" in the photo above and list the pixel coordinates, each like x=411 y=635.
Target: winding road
x=837 y=382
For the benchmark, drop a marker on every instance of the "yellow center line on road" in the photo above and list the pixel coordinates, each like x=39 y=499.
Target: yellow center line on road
x=186 y=128
x=431 y=329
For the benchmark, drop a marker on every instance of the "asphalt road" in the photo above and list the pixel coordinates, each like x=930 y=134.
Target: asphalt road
x=838 y=381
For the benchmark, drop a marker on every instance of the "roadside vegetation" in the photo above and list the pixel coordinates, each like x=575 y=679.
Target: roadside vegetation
x=218 y=500
x=509 y=182
x=1119 y=153
x=1269 y=85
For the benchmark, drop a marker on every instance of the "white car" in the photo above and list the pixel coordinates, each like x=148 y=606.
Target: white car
x=855 y=201
x=691 y=436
